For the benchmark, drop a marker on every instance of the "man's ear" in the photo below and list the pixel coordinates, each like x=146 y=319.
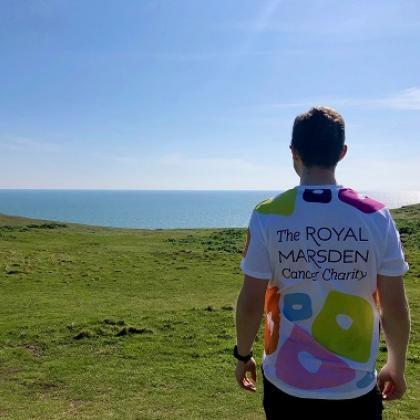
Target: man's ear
x=343 y=152
x=294 y=152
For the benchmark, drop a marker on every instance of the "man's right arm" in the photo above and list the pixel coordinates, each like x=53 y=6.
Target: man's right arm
x=395 y=322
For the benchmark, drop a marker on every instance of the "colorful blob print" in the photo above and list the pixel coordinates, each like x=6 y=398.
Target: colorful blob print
x=272 y=322
x=345 y=326
x=297 y=306
x=317 y=195
x=304 y=363
x=283 y=205
x=364 y=204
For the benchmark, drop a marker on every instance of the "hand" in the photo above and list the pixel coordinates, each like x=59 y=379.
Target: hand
x=240 y=372
x=391 y=382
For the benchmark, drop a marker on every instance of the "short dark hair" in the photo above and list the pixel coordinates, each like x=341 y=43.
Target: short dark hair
x=318 y=136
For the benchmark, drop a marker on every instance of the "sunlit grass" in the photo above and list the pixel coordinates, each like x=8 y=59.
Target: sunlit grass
x=118 y=323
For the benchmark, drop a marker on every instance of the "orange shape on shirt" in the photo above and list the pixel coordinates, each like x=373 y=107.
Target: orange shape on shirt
x=272 y=320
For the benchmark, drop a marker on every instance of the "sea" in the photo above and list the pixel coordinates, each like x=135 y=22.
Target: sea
x=155 y=209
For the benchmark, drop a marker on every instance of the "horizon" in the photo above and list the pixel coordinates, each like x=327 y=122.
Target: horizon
x=191 y=189
x=160 y=96
x=156 y=208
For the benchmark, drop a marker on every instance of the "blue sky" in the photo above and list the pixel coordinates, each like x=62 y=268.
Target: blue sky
x=188 y=94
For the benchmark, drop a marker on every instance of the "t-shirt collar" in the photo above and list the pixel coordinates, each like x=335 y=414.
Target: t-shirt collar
x=321 y=186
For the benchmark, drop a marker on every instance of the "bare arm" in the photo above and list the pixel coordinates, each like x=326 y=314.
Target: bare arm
x=249 y=310
x=395 y=321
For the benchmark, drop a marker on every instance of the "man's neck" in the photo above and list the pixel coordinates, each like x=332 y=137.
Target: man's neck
x=317 y=176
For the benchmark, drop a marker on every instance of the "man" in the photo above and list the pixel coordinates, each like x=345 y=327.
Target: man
x=325 y=264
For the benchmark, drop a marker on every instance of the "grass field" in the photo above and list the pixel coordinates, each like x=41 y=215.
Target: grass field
x=139 y=324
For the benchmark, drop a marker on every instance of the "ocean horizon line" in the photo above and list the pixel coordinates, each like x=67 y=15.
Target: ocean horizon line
x=189 y=189
x=155 y=208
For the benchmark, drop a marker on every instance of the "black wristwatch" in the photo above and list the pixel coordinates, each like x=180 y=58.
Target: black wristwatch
x=239 y=357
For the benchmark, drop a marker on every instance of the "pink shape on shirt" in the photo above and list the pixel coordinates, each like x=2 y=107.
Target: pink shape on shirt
x=331 y=370
x=364 y=204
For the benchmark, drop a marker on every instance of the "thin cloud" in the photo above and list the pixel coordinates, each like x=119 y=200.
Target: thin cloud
x=353 y=26
x=28 y=144
x=219 y=172
x=126 y=160
x=391 y=18
x=352 y=171
x=120 y=159
x=407 y=99
x=206 y=56
x=215 y=164
x=261 y=23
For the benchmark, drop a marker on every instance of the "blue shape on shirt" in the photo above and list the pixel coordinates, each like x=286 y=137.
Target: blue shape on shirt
x=366 y=380
x=297 y=306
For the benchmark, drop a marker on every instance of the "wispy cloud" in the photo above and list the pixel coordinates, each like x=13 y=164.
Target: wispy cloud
x=382 y=170
x=407 y=99
x=215 y=164
x=205 y=56
x=261 y=23
x=299 y=27
x=119 y=158
x=339 y=18
x=220 y=172
x=125 y=160
x=23 y=144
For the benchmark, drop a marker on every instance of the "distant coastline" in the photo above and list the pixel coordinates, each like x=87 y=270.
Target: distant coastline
x=15 y=220
x=154 y=209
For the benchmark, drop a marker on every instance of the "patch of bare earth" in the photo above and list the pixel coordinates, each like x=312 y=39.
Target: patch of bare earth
x=34 y=349
x=8 y=372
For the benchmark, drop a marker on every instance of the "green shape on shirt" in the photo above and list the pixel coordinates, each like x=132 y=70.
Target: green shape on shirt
x=283 y=205
x=352 y=341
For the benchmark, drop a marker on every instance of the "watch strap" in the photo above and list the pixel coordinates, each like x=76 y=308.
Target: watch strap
x=239 y=357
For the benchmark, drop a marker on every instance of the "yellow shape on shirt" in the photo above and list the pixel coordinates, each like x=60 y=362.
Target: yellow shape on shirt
x=351 y=339
x=283 y=205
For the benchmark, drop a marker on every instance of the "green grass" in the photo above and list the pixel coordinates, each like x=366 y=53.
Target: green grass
x=138 y=324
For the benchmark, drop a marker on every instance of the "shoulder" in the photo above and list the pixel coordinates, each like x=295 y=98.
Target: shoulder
x=361 y=202
x=282 y=204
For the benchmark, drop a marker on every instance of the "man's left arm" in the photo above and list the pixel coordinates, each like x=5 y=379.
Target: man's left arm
x=249 y=311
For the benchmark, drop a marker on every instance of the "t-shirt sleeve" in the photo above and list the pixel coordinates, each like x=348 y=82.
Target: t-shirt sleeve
x=256 y=261
x=393 y=262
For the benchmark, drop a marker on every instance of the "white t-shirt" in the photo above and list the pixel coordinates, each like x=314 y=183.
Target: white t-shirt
x=322 y=247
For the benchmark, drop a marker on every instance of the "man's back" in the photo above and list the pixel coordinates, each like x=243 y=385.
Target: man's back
x=326 y=265
x=322 y=247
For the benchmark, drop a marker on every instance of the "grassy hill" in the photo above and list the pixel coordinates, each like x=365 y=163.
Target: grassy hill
x=138 y=324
